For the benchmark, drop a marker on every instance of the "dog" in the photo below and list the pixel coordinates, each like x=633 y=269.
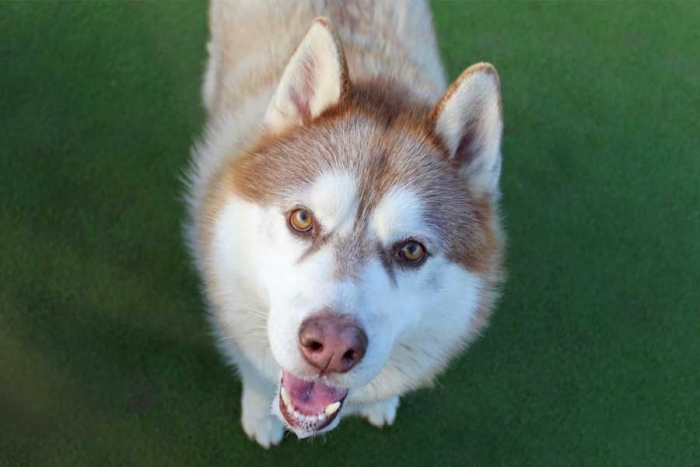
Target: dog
x=342 y=207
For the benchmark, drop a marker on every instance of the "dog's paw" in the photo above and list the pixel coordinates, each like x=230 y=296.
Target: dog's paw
x=382 y=413
x=258 y=423
x=267 y=431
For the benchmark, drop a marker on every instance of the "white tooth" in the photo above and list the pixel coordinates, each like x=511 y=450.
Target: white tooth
x=290 y=408
x=321 y=417
x=285 y=396
x=296 y=414
x=332 y=408
x=312 y=418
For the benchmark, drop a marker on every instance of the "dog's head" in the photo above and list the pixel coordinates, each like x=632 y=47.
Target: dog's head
x=358 y=243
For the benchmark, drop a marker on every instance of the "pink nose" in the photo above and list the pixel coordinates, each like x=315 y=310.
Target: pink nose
x=332 y=343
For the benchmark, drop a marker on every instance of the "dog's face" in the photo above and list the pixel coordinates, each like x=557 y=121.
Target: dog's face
x=362 y=233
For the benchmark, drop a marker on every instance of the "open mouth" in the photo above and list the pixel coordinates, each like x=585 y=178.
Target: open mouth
x=309 y=406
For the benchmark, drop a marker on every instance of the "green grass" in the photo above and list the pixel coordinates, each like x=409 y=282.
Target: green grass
x=593 y=357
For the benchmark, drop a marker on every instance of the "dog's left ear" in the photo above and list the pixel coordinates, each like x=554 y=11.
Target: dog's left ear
x=315 y=79
x=469 y=121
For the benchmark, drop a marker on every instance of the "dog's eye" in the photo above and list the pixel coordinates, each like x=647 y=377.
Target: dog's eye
x=412 y=252
x=301 y=220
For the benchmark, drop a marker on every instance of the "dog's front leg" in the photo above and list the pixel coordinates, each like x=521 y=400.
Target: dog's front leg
x=382 y=413
x=256 y=417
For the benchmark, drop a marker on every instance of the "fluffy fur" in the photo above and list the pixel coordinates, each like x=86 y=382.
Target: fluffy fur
x=348 y=116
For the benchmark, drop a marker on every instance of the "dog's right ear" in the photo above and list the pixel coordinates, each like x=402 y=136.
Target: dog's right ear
x=315 y=79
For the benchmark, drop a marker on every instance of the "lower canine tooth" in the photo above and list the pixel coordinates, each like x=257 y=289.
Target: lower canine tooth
x=285 y=396
x=332 y=408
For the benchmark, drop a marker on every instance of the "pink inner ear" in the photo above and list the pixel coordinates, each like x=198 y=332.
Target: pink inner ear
x=303 y=92
x=468 y=147
x=301 y=104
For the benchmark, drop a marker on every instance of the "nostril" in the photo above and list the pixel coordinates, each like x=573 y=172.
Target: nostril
x=349 y=355
x=315 y=346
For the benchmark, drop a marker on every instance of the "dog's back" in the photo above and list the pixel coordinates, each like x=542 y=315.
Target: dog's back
x=253 y=39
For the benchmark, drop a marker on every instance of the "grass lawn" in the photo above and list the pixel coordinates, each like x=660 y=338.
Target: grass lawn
x=593 y=357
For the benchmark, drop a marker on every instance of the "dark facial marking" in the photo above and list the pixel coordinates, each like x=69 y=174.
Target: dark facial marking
x=386 y=260
x=317 y=243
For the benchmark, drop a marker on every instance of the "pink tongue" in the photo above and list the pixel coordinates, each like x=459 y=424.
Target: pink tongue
x=310 y=397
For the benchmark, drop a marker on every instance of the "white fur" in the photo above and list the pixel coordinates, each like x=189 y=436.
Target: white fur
x=262 y=294
x=258 y=422
x=399 y=216
x=333 y=200
x=380 y=413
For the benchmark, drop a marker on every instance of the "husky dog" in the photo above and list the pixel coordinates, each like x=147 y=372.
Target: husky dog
x=342 y=207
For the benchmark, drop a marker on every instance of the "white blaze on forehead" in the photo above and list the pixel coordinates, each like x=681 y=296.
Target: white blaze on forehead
x=399 y=215
x=333 y=200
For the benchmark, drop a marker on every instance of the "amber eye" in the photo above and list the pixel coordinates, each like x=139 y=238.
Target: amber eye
x=412 y=252
x=301 y=220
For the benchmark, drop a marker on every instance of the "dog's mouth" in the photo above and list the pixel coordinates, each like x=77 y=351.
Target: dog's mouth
x=309 y=406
